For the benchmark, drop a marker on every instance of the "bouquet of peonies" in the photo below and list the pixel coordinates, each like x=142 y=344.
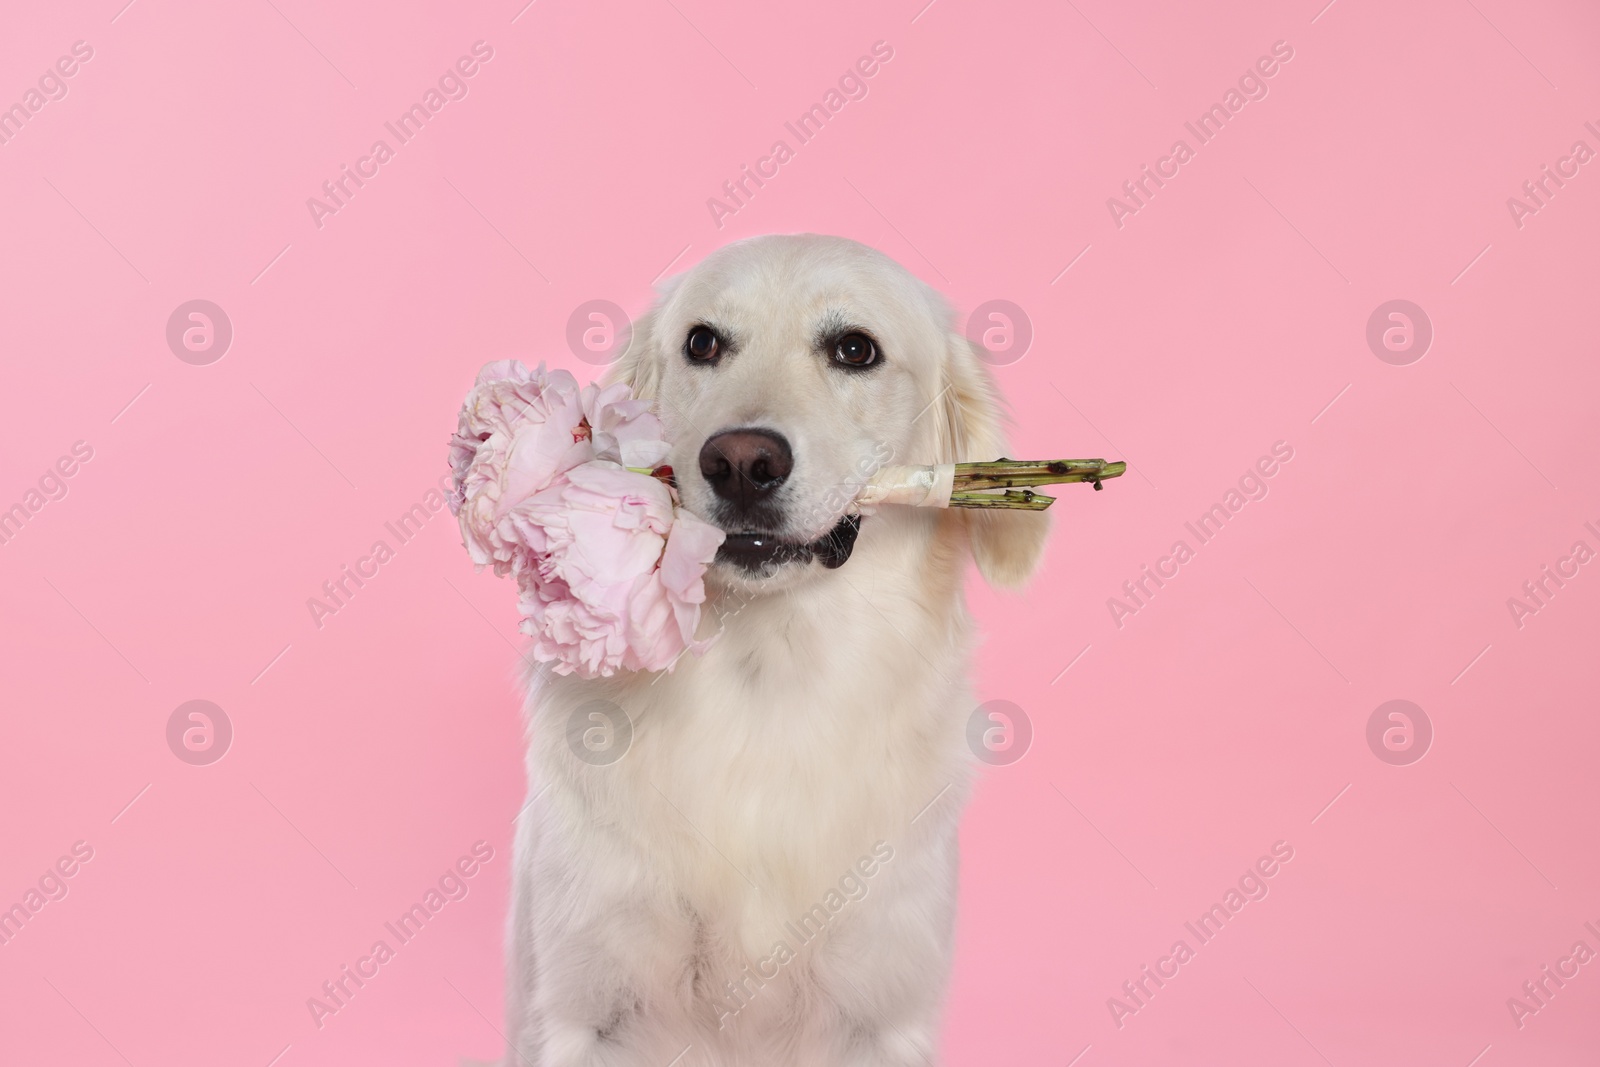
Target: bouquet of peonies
x=554 y=484
x=562 y=487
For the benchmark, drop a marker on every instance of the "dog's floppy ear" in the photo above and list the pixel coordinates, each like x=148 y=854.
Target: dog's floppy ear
x=640 y=365
x=1006 y=545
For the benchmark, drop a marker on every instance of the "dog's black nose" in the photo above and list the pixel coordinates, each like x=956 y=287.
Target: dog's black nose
x=745 y=467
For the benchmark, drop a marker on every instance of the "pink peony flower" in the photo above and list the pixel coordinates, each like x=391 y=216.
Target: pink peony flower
x=618 y=577
x=611 y=573
x=518 y=432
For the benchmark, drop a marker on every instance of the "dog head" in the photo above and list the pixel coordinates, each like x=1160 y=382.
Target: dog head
x=787 y=370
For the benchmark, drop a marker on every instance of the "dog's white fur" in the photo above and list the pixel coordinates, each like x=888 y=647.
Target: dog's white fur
x=827 y=719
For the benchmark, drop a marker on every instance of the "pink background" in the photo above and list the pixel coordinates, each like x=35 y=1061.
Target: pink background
x=1227 y=314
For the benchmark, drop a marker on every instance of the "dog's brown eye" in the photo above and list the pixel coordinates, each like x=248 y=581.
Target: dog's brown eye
x=702 y=344
x=856 y=350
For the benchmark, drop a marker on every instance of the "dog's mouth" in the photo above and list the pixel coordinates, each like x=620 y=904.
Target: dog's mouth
x=755 y=552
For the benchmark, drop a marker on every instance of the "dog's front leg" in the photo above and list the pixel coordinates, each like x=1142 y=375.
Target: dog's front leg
x=885 y=971
x=592 y=982
x=594 y=1001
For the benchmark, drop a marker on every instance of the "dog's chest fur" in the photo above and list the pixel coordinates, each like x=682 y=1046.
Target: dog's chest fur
x=821 y=721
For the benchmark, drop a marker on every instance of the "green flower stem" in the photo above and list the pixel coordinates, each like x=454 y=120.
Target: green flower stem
x=1011 y=475
x=1011 y=500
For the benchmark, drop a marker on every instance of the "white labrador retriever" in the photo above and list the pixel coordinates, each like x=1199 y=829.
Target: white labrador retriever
x=752 y=859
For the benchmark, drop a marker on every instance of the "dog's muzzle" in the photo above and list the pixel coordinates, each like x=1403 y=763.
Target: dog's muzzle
x=755 y=551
